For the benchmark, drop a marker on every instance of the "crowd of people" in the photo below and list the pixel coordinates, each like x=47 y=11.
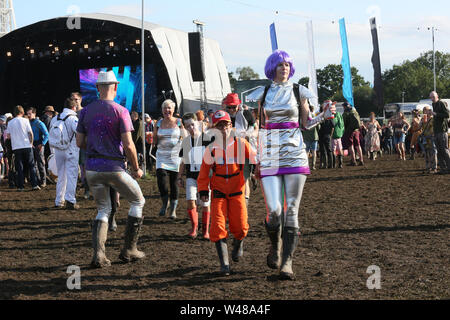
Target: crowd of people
x=216 y=157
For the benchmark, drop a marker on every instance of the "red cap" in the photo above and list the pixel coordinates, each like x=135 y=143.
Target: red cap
x=220 y=116
x=232 y=99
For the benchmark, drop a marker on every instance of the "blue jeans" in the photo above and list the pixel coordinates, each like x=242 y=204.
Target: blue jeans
x=25 y=157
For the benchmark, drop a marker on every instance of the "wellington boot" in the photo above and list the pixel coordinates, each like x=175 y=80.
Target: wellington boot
x=130 y=251
x=274 y=256
x=99 y=236
x=340 y=162
x=165 y=201
x=206 y=217
x=193 y=215
x=173 y=209
x=222 y=252
x=290 y=242
x=238 y=250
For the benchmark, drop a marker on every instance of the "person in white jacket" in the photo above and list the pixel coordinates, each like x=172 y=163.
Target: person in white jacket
x=67 y=159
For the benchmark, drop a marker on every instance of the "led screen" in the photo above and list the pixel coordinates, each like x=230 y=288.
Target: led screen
x=129 y=89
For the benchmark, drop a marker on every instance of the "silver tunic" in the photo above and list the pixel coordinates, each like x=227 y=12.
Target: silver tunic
x=169 y=146
x=282 y=148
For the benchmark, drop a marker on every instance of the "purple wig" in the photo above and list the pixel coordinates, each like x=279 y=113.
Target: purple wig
x=274 y=60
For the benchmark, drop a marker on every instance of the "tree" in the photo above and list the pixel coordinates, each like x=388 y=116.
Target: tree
x=232 y=81
x=364 y=100
x=246 y=73
x=415 y=78
x=330 y=79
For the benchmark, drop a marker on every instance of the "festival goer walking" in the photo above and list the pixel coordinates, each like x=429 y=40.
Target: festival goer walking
x=441 y=115
x=49 y=113
x=338 y=150
x=283 y=161
x=311 y=140
x=21 y=135
x=104 y=130
x=149 y=127
x=137 y=133
x=191 y=155
x=326 y=131
x=40 y=134
x=226 y=158
x=62 y=139
x=400 y=126
x=387 y=138
x=372 y=138
x=351 y=139
x=168 y=137
x=427 y=141
x=415 y=131
x=242 y=120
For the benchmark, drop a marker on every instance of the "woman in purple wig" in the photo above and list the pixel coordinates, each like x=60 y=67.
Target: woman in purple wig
x=282 y=158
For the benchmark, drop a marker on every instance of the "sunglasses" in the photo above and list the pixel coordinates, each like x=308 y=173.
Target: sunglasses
x=231 y=107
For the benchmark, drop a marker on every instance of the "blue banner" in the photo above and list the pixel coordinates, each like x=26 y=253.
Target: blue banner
x=347 y=86
x=273 y=37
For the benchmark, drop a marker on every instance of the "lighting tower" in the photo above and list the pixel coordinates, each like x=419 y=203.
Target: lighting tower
x=7 y=17
x=203 y=99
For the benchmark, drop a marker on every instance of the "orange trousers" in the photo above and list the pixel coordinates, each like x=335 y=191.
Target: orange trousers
x=229 y=208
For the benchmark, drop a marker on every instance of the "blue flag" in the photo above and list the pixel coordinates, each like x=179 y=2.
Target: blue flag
x=273 y=37
x=347 y=86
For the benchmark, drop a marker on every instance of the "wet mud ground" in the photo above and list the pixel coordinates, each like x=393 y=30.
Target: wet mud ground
x=387 y=214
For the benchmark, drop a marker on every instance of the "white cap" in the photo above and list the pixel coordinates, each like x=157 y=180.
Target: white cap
x=107 y=78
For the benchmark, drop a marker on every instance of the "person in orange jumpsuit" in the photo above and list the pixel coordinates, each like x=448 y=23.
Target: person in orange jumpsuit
x=228 y=188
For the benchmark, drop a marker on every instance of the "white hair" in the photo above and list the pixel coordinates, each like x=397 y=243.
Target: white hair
x=168 y=102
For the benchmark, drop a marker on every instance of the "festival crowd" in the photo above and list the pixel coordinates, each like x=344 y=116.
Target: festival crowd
x=216 y=157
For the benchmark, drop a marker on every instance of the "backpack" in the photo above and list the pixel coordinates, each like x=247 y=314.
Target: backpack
x=58 y=135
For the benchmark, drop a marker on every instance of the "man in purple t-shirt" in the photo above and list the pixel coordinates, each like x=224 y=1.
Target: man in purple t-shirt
x=104 y=130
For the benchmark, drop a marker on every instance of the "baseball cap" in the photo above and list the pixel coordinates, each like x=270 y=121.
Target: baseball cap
x=220 y=116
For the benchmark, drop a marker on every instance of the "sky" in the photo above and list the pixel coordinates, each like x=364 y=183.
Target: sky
x=241 y=27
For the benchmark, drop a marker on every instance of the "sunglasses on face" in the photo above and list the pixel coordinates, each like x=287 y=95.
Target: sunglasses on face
x=231 y=107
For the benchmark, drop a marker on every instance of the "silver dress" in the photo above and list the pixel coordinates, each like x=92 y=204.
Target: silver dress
x=169 y=146
x=281 y=148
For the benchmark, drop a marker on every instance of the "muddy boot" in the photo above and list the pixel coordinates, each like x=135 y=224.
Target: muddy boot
x=193 y=215
x=333 y=158
x=274 y=256
x=112 y=222
x=340 y=162
x=163 y=210
x=173 y=209
x=290 y=242
x=99 y=236
x=206 y=216
x=413 y=153
x=130 y=251
x=238 y=250
x=222 y=252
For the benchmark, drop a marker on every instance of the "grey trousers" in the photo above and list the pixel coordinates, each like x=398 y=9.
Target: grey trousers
x=443 y=153
x=100 y=184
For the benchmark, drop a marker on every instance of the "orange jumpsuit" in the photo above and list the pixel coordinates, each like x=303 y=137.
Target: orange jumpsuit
x=228 y=187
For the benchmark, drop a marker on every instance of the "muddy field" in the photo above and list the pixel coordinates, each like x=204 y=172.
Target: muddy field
x=387 y=214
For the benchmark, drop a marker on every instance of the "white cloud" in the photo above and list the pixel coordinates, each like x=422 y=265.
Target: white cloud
x=129 y=10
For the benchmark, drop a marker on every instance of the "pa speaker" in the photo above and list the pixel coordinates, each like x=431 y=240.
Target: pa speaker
x=195 y=56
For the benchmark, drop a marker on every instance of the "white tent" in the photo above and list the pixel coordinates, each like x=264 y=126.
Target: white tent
x=173 y=46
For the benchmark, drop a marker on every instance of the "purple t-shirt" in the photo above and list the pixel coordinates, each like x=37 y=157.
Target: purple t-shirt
x=103 y=122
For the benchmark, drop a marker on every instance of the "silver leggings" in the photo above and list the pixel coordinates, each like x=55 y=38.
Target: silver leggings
x=275 y=189
x=123 y=183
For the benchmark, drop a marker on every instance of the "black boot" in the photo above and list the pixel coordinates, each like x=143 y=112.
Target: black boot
x=130 y=251
x=238 y=250
x=290 y=242
x=274 y=256
x=340 y=161
x=222 y=252
x=165 y=201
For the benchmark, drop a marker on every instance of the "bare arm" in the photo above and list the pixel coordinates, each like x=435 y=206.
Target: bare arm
x=130 y=151
x=81 y=140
